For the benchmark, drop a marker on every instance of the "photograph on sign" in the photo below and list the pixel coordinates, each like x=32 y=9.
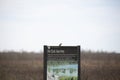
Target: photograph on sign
x=62 y=62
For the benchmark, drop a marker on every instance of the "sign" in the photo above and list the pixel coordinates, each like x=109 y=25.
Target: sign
x=61 y=62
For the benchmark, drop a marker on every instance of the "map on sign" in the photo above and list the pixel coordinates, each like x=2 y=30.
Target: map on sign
x=61 y=62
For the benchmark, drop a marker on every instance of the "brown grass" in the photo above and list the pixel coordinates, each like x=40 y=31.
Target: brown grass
x=100 y=66
x=29 y=66
x=24 y=68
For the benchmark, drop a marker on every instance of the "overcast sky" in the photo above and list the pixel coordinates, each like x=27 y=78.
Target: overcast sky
x=30 y=24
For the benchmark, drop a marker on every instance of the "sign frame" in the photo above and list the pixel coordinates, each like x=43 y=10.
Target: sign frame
x=46 y=58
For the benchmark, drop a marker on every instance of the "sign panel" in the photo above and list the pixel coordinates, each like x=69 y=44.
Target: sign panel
x=61 y=62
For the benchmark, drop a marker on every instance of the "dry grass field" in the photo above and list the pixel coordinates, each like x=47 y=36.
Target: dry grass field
x=102 y=66
x=21 y=66
x=29 y=66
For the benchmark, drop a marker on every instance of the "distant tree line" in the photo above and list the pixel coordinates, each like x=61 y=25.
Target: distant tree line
x=14 y=55
x=24 y=55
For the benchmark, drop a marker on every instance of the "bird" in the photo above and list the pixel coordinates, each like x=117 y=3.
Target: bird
x=60 y=44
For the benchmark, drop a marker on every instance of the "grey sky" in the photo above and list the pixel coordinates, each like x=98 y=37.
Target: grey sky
x=29 y=24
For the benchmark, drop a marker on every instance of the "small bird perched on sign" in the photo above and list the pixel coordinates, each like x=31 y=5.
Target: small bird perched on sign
x=60 y=44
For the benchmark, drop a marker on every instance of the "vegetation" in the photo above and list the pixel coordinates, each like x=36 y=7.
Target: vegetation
x=68 y=78
x=29 y=66
x=21 y=66
x=100 y=66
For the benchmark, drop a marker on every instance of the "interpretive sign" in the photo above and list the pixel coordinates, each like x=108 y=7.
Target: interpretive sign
x=61 y=62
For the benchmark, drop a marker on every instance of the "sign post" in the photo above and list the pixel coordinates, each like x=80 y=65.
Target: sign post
x=61 y=62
